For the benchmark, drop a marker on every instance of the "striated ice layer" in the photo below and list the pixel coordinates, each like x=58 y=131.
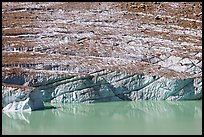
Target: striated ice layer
x=100 y=86
x=115 y=86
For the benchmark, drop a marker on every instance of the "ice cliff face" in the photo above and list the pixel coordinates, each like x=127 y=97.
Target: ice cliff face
x=102 y=86
x=93 y=52
x=117 y=86
x=21 y=99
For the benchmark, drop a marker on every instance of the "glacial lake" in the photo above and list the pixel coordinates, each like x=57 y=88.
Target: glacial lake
x=119 y=118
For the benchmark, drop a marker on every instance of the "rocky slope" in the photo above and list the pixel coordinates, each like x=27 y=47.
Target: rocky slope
x=93 y=52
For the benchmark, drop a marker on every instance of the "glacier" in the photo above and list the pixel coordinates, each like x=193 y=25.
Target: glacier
x=101 y=86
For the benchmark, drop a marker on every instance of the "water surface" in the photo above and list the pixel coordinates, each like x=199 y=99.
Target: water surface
x=134 y=117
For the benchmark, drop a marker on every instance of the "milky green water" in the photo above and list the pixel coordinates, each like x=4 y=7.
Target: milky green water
x=135 y=117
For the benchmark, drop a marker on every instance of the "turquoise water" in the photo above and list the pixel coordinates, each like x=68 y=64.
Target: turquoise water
x=134 y=117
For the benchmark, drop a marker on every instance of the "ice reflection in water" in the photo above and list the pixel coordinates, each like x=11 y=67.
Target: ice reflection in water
x=134 y=117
